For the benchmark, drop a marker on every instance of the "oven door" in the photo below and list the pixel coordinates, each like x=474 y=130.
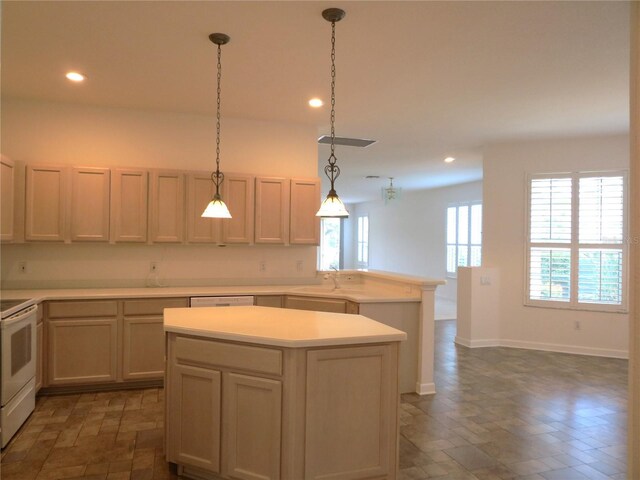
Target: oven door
x=18 y=351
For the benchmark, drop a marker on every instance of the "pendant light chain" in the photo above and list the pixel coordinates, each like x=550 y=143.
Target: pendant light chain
x=332 y=170
x=217 y=177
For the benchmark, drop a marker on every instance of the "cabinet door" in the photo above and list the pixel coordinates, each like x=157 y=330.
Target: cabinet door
x=194 y=423
x=238 y=193
x=143 y=348
x=129 y=205
x=7 y=193
x=200 y=190
x=272 y=210
x=90 y=204
x=333 y=305
x=352 y=399
x=167 y=206
x=82 y=351
x=39 y=355
x=305 y=202
x=46 y=205
x=251 y=427
x=274 y=301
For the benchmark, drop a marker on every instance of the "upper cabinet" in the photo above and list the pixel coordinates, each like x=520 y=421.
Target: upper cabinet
x=238 y=194
x=305 y=201
x=90 y=204
x=7 y=192
x=167 y=206
x=46 y=203
x=129 y=205
x=200 y=190
x=272 y=210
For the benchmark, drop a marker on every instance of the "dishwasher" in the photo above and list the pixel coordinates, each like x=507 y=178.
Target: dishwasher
x=237 y=301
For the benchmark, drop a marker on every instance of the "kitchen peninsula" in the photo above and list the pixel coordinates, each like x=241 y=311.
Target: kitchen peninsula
x=122 y=327
x=260 y=392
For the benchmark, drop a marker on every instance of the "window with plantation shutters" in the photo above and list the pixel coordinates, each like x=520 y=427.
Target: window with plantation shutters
x=576 y=252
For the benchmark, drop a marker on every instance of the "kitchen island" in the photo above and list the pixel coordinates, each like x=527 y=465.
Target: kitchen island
x=266 y=393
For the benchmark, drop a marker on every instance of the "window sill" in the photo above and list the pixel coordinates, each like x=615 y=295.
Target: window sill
x=579 y=308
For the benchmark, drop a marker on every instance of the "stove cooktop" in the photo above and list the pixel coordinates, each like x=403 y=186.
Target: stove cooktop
x=7 y=306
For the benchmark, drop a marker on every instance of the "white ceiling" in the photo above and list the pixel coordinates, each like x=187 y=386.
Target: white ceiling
x=426 y=79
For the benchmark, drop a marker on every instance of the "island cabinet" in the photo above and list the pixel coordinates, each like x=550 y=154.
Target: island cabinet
x=249 y=410
x=320 y=304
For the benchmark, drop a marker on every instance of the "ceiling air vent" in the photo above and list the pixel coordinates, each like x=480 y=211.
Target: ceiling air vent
x=347 y=142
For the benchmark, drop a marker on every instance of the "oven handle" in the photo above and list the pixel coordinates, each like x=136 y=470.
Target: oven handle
x=18 y=317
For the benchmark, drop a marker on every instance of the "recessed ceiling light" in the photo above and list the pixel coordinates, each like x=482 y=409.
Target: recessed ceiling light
x=315 y=103
x=75 y=76
x=449 y=159
x=372 y=176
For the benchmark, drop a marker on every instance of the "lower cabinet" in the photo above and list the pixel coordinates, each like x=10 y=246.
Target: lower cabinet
x=93 y=342
x=252 y=412
x=83 y=350
x=39 y=353
x=318 y=304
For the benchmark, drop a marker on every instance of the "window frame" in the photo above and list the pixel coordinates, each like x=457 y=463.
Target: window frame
x=341 y=246
x=359 y=243
x=575 y=246
x=469 y=244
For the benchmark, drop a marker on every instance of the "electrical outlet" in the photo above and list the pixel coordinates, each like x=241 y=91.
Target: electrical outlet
x=299 y=265
x=22 y=266
x=153 y=267
x=485 y=280
x=262 y=266
x=577 y=325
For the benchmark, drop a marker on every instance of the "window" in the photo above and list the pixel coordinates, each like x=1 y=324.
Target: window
x=330 y=241
x=575 y=246
x=464 y=236
x=363 y=242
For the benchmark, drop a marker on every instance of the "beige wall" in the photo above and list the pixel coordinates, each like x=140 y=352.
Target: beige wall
x=54 y=133
x=504 y=223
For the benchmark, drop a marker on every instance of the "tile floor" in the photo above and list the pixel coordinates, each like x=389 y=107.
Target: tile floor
x=499 y=414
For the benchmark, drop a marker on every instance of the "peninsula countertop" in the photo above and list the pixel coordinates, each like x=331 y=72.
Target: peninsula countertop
x=356 y=292
x=278 y=327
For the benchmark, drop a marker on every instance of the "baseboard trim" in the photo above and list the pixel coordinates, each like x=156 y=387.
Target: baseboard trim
x=465 y=342
x=546 y=347
x=425 y=388
x=573 y=349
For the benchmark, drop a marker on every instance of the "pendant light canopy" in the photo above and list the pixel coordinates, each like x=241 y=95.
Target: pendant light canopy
x=216 y=207
x=332 y=206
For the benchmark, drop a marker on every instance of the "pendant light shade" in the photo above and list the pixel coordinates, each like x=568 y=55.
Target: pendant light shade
x=216 y=207
x=332 y=206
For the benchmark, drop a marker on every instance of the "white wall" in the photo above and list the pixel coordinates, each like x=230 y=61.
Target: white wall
x=55 y=133
x=409 y=236
x=504 y=205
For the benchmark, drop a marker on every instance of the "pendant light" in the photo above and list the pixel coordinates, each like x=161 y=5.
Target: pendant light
x=391 y=193
x=332 y=206
x=216 y=207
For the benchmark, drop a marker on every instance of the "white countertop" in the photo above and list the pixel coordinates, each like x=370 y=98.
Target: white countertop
x=278 y=327
x=355 y=292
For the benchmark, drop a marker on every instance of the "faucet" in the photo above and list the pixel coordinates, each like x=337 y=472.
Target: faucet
x=334 y=276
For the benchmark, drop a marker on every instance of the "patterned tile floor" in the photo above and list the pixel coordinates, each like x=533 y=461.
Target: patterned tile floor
x=499 y=414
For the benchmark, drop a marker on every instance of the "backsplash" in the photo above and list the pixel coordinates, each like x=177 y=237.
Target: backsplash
x=95 y=266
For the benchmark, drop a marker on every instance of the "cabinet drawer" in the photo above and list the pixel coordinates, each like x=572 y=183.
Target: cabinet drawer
x=228 y=355
x=83 y=309
x=153 y=306
x=333 y=305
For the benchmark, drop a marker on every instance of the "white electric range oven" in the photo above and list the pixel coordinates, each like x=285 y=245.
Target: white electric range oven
x=18 y=370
